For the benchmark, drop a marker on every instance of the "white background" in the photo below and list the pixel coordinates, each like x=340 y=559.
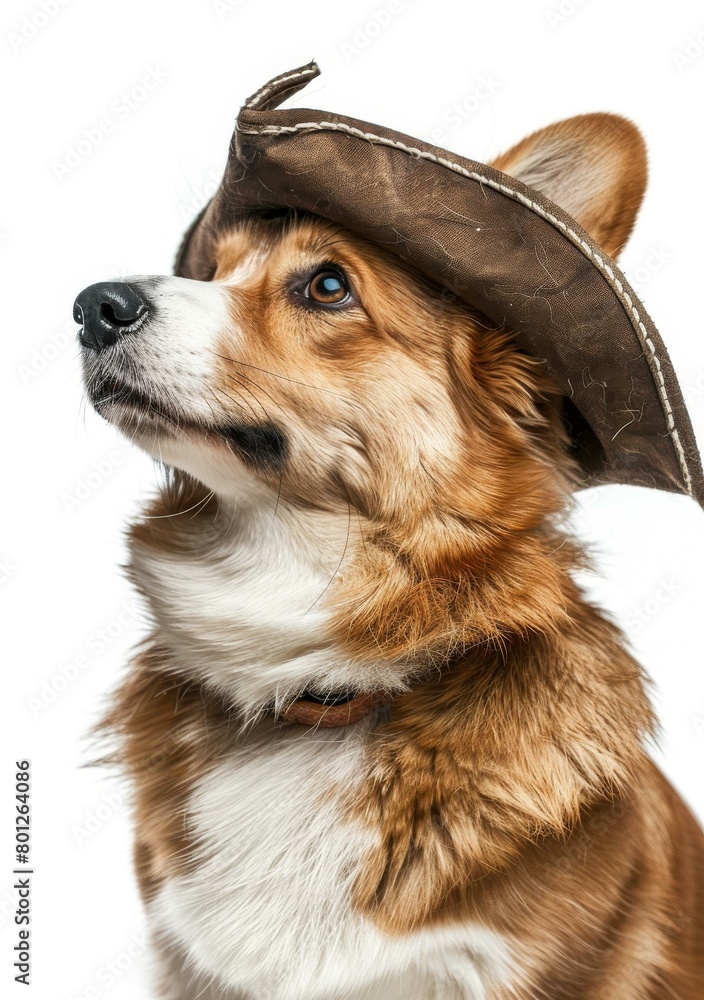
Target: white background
x=122 y=209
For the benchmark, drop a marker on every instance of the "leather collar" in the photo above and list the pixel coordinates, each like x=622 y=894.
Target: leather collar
x=329 y=713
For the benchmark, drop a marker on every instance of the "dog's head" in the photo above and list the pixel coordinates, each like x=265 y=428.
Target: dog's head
x=312 y=367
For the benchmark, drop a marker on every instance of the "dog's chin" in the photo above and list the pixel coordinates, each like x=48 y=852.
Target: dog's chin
x=136 y=413
x=130 y=409
x=226 y=457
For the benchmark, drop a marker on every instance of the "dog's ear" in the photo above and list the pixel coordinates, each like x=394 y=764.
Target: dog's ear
x=592 y=166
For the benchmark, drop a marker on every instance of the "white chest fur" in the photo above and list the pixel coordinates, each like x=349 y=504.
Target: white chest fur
x=268 y=913
x=244 y=608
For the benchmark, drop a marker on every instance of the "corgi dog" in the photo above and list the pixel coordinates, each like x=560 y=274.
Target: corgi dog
x=381 y=745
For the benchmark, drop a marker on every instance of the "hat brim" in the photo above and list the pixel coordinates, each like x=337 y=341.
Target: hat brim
x=500 y=246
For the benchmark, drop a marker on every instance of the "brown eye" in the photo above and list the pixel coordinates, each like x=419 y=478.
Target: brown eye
x=328 y=288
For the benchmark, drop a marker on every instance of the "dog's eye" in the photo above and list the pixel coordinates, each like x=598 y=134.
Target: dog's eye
x=328 y=287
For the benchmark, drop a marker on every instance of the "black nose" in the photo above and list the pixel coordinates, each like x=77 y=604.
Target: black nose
x=106 y=311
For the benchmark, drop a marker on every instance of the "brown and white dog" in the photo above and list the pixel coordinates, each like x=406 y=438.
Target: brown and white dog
x=381 y=745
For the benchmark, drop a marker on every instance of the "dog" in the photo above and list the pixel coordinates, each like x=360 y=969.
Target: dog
x=380 y=743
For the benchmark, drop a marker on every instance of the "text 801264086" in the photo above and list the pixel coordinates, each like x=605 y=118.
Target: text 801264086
x=22 y=886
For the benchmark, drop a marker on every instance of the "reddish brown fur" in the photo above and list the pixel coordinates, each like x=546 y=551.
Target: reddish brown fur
x=159 y=719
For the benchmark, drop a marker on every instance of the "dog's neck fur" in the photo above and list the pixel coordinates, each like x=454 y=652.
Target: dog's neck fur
x=260 y=600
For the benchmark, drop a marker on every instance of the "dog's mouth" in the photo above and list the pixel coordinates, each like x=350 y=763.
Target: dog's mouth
x=132 y=408
x=262 y=444
x=108 y=390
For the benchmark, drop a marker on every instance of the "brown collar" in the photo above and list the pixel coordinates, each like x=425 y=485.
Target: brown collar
x=310 y=711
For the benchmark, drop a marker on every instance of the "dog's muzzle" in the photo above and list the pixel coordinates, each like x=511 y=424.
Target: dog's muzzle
x=107 y=311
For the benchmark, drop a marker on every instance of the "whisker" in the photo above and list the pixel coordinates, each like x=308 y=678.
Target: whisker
x=159 y=517
x=286 y=378
x=264 y=411
x=256 y=386
x=337 y=568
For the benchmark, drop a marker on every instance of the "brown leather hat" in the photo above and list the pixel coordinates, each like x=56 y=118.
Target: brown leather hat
x=503 y=247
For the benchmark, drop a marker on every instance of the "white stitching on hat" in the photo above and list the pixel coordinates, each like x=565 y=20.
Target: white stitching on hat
x=284 y=78
x=601 y=264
